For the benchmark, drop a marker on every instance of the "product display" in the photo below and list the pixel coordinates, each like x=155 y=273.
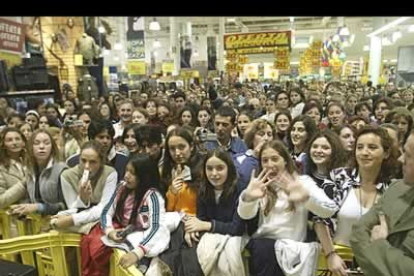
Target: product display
x=87 y=47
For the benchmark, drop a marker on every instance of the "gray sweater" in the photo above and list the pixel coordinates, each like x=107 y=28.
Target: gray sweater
x=52 y=201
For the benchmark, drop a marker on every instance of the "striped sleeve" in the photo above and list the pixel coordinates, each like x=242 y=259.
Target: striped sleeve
x=109 y=211
x=156 y=236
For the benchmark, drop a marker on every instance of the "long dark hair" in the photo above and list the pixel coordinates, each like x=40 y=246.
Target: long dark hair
x=271 y=194
x=310 y=128
x=389 y=166
x=338 y=155
x=206 y=190
x=194 y=161
x=147 y=177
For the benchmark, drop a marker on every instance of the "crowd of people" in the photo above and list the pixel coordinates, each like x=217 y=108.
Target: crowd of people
x=281 y=168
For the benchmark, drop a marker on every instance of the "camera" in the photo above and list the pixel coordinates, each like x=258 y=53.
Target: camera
x=70 y=122
x=202 y=135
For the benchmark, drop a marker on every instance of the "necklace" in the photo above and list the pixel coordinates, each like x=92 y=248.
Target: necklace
x=361 y=201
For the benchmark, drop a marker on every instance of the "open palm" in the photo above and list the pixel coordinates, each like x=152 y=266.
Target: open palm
x=257 y=185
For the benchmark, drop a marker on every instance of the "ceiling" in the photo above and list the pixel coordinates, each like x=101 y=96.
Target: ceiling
x=319 y=27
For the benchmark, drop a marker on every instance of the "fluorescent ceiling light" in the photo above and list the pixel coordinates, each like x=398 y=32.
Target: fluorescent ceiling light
x=101 y=30
x=233 y=20
x=394 y=60
x=385 y=60
x=291 y=19
x=154 y=25
x=411 y=29
x=294 y=62
x=344 y=31
x=366 y=48
x=389 y=26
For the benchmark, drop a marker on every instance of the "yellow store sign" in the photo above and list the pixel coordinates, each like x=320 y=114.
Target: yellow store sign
x=251 y=40
x=137 y=67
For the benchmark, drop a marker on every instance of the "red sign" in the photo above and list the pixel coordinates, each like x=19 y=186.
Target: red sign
x=11 y=35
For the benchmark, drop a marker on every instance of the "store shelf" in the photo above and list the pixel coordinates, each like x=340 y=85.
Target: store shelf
x=27 y=93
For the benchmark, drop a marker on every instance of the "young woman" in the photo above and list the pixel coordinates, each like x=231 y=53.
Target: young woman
x=358 y=122
x=363 y=109
x=52 y=110
x=46 y=121
x=297 y=99
x=140 y=116
x=15 y=120
x=350 y=103
x=314 y=110
x=300 y=132
x=336 y=115
x=260 y=131
x=44 y=167
x=106 y=112
x=70 y=108
x=27 y=130
x=128 y=138
x=347 y=136
x=186 y=116
x=85 y=200
x=204 y=118
x=137 y=203
x=381 y=108
x=270 y=204
x=151 y=107
x=408 y=96
x=270 y=107
x=324 y=153
x=244 y=120
x=165 y=115
x=282 y=101
x=12 y=169
x=217 y=200
x=32 y=117
x=181 y=171
x=402 y=118
x=356 y=191
x=283 y=120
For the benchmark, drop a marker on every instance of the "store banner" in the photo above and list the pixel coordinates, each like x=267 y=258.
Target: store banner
x=135 y=37
x=167 y=66
x=282 y=55
x=11 y=36
x=211 y=53
x=252 y=40
x=137 y=67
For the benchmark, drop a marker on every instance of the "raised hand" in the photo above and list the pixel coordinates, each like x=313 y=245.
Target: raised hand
x=177 y=183
x=292 y=186
x=257 y=186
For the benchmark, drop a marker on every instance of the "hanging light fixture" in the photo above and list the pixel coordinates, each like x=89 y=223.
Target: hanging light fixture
x=154 y=25
x=156 y=44
x=395 y=36
x=344 y=31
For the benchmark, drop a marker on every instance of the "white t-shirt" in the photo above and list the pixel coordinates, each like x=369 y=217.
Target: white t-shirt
x=349 y=214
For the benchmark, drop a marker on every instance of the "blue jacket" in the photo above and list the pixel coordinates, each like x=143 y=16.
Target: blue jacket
x=245 y=163
x=236 y=146
x=223 y=216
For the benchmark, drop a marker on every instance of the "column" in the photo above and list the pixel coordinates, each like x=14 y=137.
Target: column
x=375 y=49
x=221 y=44
x=174 y=45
